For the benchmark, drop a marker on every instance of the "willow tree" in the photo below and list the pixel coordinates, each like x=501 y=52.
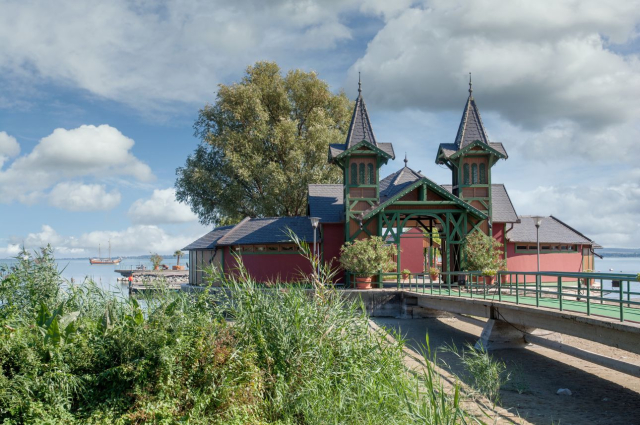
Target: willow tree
x=262 y=143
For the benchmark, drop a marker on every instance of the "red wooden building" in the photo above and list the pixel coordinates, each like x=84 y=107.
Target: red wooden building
x=402 y=208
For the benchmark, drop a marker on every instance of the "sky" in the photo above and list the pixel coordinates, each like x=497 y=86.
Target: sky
x=98 y=101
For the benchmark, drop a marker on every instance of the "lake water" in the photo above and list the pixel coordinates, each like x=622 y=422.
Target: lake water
x=103 y=275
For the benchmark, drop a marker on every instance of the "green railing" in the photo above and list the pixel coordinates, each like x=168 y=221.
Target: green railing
x=577 y=292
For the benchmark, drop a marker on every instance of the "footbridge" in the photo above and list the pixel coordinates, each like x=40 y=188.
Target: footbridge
x=522 y=307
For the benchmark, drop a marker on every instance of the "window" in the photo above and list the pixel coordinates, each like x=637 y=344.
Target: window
x=465 y=172
x=474 y=173
x=361 y=173
x=272 y=248
x=483 y=174
x=354 y=173
x=372 y=174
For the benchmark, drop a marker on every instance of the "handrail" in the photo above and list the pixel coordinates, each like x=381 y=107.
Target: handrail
x=579 y=292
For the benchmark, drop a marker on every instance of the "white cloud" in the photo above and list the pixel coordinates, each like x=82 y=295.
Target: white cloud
x=148 y=54
x=9 y=147
x=91 y=151
x=543 y=66
x=134 y=240
x=607 y=214
x=161 y=208
x=83 y=197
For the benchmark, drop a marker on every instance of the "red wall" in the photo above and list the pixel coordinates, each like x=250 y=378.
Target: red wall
x=412 y=255
x=333 y=239
x=498 y=233
x=269 y=267
x=557 y=262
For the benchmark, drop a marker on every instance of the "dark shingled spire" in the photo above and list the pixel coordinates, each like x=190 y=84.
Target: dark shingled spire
x=471 y=128
x=360 y=128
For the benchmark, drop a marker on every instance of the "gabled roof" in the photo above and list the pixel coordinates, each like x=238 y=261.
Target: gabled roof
x=337 y=149
x=552 y=230
x=268 y=230
x=502 y=210
x=326 y=201
x=398 y=181
x=403 y=181
x=210 y=240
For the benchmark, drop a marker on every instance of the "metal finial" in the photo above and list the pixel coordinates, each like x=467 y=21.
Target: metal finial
x=405 y=159
x=470 y=84
x=359 y=83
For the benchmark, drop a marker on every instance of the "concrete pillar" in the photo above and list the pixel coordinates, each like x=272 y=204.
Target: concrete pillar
x=498 y=335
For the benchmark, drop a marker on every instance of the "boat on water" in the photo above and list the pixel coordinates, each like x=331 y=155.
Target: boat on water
x=109 y=260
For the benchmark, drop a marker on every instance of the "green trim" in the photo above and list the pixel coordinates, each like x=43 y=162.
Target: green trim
x=355 y=147
x=269 y=252
x=555 y=251
x=391 y=201
x=478 y=143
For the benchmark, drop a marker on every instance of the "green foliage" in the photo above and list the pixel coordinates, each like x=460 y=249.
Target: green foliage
x=178 y=254
x=366 y=257
x=638 y=277
x=486 y=374
x=156 y=260
x=482 y=253
x=87 y=356
x=262 y=143
x=434 y=271
x=33 y=280
x=406 y=272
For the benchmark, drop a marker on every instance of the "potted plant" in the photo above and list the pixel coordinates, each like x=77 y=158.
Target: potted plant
x=155 y=260
x=406 y=273
x=489 y=276
x=434 y=273
x=482 y=253
x=178 y=254
x=364 y=258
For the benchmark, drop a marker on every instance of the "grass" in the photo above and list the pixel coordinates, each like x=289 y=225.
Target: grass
x=245 y=355
x=485 y=374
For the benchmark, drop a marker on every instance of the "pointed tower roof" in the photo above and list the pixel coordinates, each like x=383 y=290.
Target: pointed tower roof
x=471 y=128
x=360 y=128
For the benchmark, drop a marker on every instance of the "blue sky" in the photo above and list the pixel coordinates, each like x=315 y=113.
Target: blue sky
x=97 y=102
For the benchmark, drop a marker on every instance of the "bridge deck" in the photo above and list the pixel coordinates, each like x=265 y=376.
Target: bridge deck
x=596 y=309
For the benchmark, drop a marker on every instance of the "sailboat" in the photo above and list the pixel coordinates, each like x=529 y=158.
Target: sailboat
x=99 y=260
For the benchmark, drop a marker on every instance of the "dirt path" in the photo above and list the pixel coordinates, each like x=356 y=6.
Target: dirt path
x=599 y=395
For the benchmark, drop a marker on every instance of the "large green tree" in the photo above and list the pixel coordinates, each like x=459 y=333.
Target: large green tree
x=262 y=142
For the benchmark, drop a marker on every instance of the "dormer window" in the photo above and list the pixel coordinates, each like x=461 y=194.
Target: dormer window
x=474 y=173
x=354 y=173
x=361 y=173
x=465 y=172
x=483 y=174
x=372 y=174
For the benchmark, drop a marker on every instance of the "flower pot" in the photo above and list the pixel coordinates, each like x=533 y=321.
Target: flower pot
x=177 y=267
x=156 y=267
x=363 y=282
x=405 y=276
x=488 y=280
x=434 y=276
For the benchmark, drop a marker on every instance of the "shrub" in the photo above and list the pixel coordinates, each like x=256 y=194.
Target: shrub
x=366 y=257
x=482 y=252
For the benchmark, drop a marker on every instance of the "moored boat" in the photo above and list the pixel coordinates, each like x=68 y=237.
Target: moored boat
x=109 y=260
